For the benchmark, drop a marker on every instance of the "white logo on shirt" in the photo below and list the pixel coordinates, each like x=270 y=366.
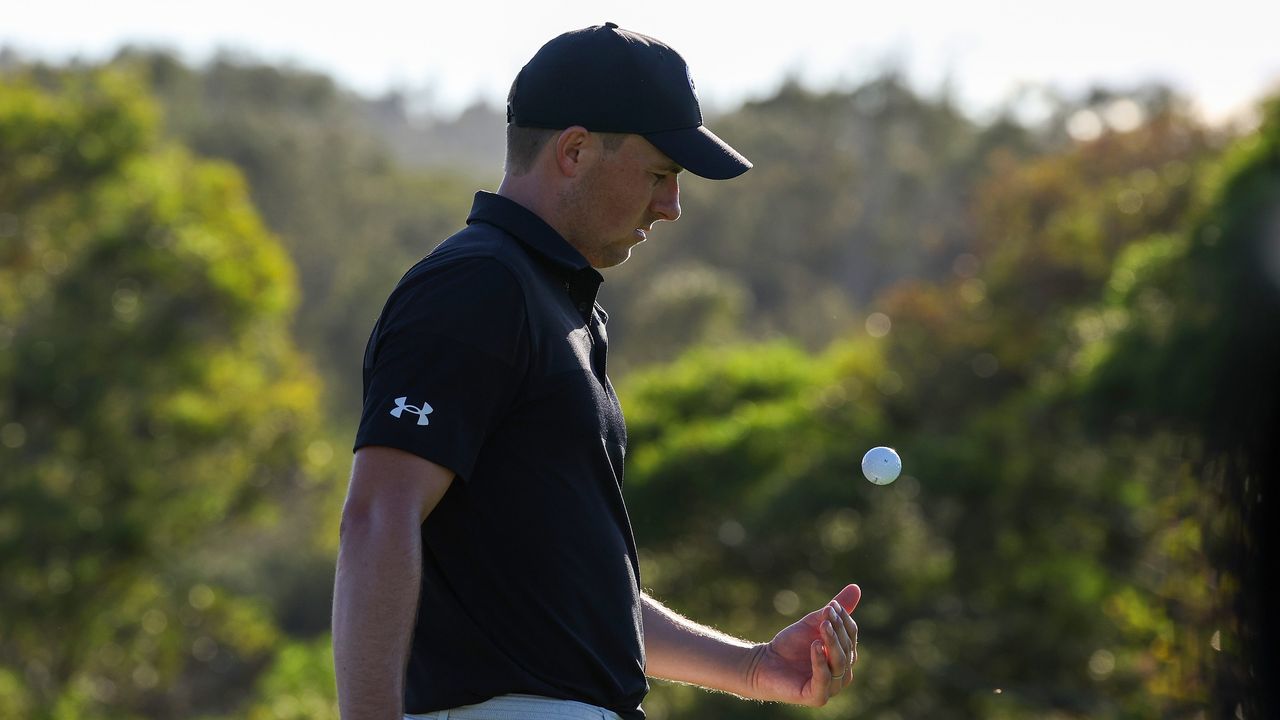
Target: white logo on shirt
x=401 y=408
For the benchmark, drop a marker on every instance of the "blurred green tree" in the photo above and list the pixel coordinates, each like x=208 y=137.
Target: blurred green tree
x=1187 y=342
x=1056 y=526
x=1072 y=343
x=326 y=182
x=984 y=568
x=149 y=392
x=852 y=192
x=1025 y=565
x=299 y=685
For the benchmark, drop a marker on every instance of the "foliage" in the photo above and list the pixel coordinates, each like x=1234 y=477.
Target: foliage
x=299 y=685
x=1071 y=342
x=1194 y=350
x=1052 y=570
x=150 y=394
x=351 y=217
x=851 y=192
x=997 y=547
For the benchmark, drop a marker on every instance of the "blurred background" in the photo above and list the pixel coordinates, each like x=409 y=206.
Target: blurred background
x=1035 y=247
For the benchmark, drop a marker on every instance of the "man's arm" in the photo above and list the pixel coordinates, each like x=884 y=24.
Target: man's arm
x=677 y=648
x=806 y=663
x=375 y=594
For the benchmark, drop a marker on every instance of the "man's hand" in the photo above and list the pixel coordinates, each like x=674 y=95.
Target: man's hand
x=811 y=660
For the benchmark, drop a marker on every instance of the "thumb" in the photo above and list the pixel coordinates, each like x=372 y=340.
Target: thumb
x=849 y=597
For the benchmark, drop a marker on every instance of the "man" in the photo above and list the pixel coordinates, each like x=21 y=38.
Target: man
x=487 y=567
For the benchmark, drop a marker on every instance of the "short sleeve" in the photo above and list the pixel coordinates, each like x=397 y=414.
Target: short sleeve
x=445 y=361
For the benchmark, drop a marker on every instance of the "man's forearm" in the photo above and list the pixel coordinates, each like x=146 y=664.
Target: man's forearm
x=374 y=603
x=680 y=649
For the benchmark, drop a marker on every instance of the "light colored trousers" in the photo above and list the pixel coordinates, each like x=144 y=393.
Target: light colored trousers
x=522 y=707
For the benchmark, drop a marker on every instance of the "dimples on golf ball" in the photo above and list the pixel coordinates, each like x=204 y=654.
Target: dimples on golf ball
x=881 y=465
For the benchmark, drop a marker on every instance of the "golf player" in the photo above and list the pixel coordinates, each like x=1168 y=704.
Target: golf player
x=487 y=568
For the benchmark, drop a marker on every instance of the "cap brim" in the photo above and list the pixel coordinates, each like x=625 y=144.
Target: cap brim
x=699 y=151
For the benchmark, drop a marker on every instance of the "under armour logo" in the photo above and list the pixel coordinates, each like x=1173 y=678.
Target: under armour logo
x=401 y=408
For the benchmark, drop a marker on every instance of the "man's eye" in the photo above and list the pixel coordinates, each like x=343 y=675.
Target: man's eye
x=658 y=178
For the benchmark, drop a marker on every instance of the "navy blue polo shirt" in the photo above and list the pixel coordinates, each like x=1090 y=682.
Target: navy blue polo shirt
x=489 y=359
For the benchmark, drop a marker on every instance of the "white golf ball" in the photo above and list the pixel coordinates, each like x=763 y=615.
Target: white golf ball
x=881 y=465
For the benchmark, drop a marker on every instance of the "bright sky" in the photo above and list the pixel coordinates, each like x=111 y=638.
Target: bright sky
x=1224 y=54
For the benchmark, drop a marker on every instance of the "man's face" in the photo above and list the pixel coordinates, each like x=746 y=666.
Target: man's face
x=619 y=198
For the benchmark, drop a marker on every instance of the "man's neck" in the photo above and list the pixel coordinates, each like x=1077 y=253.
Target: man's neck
x=526 y=191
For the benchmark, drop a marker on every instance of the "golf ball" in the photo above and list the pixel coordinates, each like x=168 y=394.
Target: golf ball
x=881 y=465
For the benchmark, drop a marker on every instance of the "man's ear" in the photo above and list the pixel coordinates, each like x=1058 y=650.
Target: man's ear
x=575 y=149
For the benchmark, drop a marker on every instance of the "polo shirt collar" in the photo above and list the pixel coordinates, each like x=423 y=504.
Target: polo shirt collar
x=534 y=232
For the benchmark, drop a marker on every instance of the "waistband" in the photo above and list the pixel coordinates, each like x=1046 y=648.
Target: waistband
x=522 y=707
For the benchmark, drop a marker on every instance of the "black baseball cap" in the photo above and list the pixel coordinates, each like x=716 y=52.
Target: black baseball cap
x=607 y=79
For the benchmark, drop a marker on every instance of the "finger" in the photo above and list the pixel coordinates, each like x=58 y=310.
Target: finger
x=841 y=632
x=848 y=597
x=852 y=628
x=837 y=658
x=821 y=679
x=845 y=620
x=853 y=658
x=836 y=666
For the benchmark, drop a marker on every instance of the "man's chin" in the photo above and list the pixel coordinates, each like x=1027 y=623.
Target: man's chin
x=613 y=259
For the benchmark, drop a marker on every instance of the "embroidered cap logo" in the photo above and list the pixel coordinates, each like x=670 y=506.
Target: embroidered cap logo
x=401 y=408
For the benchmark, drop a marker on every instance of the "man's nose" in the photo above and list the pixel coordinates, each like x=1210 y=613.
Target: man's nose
x=666 y=202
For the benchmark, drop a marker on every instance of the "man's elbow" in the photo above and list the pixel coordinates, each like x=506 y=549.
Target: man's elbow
x=357 y=520
x=377 y=520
